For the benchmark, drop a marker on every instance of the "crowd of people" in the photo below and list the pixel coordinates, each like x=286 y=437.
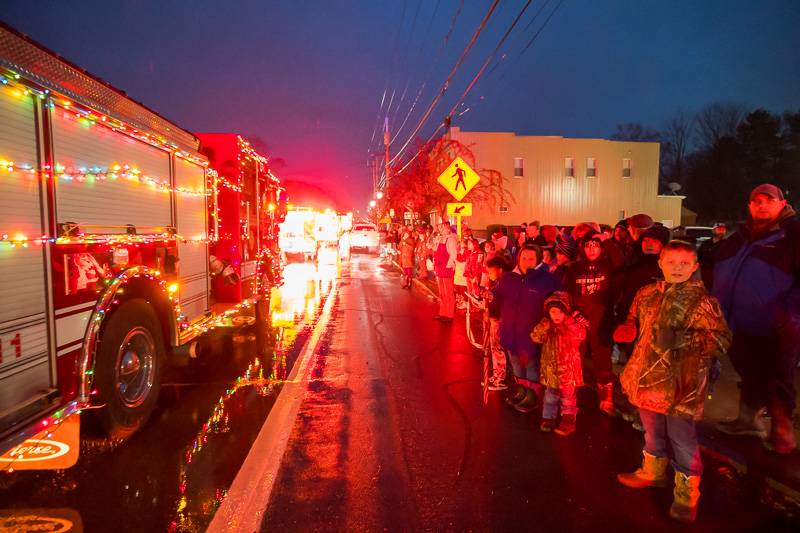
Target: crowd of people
x=563 y=304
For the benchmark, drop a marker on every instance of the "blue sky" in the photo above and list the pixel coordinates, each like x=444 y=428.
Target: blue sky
x=307 y=77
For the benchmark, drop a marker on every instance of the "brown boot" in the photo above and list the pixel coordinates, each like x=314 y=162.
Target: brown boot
x=749 y=422
x=687 y=492
x=607 y=400
x=653 y=473
x=567 y=425
x=781 y=436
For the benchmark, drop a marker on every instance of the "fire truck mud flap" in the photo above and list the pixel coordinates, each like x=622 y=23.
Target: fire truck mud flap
x=55 y=447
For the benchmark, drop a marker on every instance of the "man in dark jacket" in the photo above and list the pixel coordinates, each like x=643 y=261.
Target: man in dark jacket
x=708 y=251
x=519 y=298
x=757 y=281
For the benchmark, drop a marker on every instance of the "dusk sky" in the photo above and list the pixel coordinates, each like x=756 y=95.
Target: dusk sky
x=307 y=77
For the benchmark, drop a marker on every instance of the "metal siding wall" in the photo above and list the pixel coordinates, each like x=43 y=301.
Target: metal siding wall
x=109 y=202
x=22 y=279
x=545 y=194
x=191 y=224
x=19 y=190
x=22 y=311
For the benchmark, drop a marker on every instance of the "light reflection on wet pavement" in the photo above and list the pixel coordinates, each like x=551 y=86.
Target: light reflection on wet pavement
x=176 y=471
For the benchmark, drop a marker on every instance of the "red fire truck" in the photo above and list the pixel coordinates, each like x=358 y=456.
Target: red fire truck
x=123 y=240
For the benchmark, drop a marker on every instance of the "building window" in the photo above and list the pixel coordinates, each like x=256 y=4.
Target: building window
x=569 y=167
x=504 y=209
x=518 y=167
x=626 y=168
x=591 y=167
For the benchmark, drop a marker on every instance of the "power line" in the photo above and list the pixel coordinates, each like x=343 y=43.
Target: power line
x=504 y=56
x=393 y=47
x=422 y=44
x=446 y=84
x=433 y=66
x=477 y=76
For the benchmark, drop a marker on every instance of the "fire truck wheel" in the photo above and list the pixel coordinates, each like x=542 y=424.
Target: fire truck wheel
x=128 y=369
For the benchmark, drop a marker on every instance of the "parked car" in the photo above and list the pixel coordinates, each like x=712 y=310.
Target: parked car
x=699 y=234
x=365 y=236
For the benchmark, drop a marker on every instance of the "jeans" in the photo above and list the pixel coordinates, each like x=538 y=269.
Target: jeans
x=682 y=437
x=526 y=367
x=447 y=297
x=498 y=354
x=554 y=397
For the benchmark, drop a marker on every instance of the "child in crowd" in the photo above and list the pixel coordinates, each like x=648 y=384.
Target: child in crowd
x=494 y=269
x=460 y=277
x=474 y=268
x=588 y=281
x=560 y=333
x=407 y=246
x=488 y=249
x=679 y=331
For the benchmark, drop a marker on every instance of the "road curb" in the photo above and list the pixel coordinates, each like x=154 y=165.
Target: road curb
x=244 y=508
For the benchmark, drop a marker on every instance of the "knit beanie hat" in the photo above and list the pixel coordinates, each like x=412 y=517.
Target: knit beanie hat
x=640 y=221
x=558 y=299
x=567 y=248
x=659 y=233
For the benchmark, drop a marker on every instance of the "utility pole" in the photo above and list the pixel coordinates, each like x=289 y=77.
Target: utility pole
x=386 y=141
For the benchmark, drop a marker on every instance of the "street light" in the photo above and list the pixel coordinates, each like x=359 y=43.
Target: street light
x=379 y=195
x=373 y=203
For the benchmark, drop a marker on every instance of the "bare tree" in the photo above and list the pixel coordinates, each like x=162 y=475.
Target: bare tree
x=634 y=131
x=676 y=138
x=415 y=188
x=718 y=120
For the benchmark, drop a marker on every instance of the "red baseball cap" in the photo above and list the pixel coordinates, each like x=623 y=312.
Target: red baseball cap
x=769 y=189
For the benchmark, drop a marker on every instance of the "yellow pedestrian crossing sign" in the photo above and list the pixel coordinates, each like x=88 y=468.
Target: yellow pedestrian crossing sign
x=459 y=179
x=460 y=209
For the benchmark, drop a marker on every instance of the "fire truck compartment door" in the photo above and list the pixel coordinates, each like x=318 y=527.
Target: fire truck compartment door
x=106 y=178
x=25 y=367
x=193 y=253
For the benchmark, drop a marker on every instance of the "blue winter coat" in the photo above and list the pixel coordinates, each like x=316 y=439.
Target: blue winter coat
x=757 y=278
x=520 y=302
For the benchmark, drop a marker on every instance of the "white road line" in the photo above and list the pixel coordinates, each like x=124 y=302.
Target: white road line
x=243 y=509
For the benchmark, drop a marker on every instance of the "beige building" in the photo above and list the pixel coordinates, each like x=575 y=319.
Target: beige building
x=565 y=181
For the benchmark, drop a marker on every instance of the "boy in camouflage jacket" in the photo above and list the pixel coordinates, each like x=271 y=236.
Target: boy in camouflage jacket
x=679 y=331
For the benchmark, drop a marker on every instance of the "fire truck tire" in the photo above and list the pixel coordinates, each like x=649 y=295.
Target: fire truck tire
x=129 y=368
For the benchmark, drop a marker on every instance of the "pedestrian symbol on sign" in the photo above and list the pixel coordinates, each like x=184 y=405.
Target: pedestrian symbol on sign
x=460 y=172
x=458 y=178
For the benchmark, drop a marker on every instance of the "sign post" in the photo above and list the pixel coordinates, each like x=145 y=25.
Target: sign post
x=459 y=179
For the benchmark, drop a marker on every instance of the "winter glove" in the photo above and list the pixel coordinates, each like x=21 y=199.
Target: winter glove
x=668 y=338
x=580 y=319
x=625 y=333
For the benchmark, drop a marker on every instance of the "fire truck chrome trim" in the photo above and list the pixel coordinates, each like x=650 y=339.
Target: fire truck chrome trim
x=87 y=355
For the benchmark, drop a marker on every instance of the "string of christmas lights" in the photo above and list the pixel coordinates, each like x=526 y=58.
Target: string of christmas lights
x=115 y=172
x=21 y=88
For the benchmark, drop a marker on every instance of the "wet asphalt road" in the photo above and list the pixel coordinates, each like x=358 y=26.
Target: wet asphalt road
x=393 y=436
x=173 y=474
